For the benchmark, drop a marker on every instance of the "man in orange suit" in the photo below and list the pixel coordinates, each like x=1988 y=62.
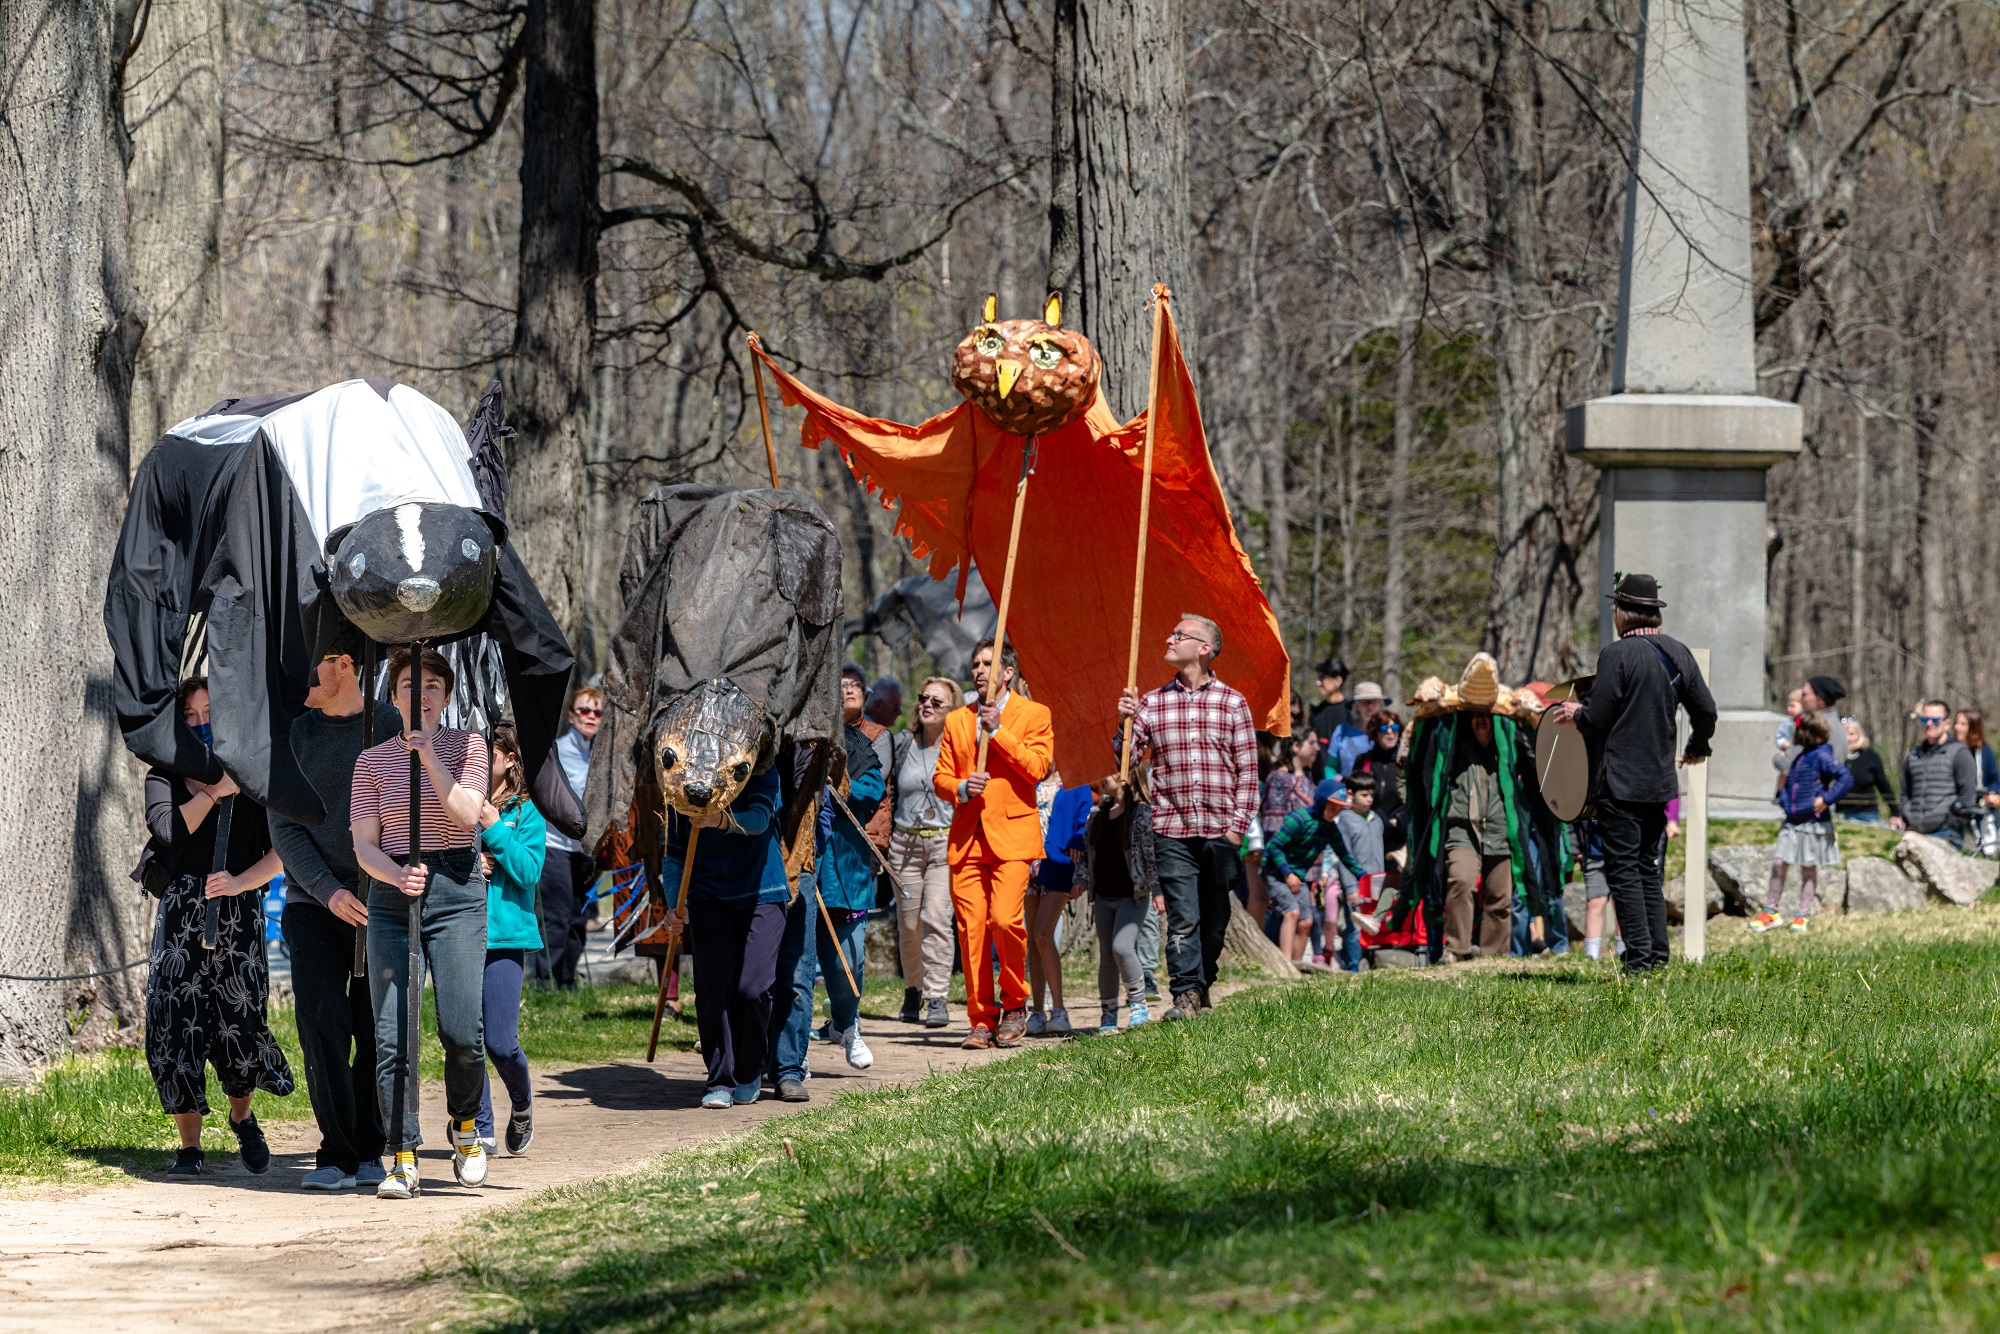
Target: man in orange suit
x=996 y=837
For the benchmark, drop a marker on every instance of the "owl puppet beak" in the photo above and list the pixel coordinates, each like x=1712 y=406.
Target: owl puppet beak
x=1009 y=371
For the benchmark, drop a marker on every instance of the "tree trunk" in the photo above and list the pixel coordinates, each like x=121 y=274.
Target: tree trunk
x=1119 y=184
x=173 y=101
x=53 y=326
x=1403 y=448
x=1535 y=587
x=556 y=303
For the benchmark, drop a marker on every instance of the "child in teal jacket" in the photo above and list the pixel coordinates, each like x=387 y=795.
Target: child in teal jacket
x=512 y=839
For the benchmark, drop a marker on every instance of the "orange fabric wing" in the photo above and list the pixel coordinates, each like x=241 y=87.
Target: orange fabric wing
x=1071 y=612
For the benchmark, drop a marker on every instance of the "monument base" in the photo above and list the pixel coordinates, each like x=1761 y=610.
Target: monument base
x=1741 y=781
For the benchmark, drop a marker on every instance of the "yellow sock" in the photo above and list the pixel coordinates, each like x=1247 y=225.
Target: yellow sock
x=406 y=1156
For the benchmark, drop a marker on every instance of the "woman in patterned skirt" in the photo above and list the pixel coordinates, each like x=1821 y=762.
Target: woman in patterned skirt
x=206 y=1007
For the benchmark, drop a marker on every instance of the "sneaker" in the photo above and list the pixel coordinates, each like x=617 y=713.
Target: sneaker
x=1038 y=1024
x=793 y=1090
x=521 y=1130
x=1799 y=925
x=369 y=1174
x=747 y=1093
x=1013 y=1026
x=188 y=1163
x=1187 y=1004
x=1059 y=1024
x=717 y=1100
x=1152 y=988
x=1108 y=1021
x=1764 y=921
x=912 y=1001
x=401 y=1181
x=468 y=1162
x=1140 y=1015
x=251 y=1144
x=326 y=1178
x=936 y=1015
x=858 y=1054
x=979 y=1039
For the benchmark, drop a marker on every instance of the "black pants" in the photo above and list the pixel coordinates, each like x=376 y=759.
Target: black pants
x=735 y=970
x=1196 y=875
x=1635 y=843
x=336 y=1036
x=566 y=880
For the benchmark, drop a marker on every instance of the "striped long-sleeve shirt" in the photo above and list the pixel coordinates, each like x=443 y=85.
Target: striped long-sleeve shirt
x=1203 y=747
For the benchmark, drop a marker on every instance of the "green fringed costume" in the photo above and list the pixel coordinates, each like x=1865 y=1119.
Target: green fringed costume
x=1441 y=747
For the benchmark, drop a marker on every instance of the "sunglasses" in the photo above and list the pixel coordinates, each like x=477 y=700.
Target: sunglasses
x=934 y=701
x=1932 y=720
x=1390 y=728
x=585 y=711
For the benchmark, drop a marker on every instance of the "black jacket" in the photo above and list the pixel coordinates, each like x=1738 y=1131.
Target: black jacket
x=1628 y=719
x=1871 y=777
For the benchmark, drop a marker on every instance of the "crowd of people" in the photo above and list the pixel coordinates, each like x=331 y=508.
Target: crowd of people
x=952 y=815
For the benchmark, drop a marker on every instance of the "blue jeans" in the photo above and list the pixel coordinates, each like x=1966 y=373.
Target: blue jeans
x=501 y=998
x=453 y=937
x=792 y=1000
x=1555 y=930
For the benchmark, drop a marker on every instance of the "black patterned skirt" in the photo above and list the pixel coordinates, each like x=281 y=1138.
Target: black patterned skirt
x=206 y=1007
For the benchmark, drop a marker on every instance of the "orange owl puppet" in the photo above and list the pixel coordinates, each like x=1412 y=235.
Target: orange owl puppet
x=953 y=479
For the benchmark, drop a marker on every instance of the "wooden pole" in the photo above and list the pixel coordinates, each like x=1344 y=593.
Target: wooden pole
x=674 y=946
x=1694 y=915
x=1006 y=590
x=414 y=989
x=1160 y=296
x=827 y=917
x=763 y=411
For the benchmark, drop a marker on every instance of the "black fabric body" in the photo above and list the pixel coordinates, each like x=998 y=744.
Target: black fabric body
x=733 y=583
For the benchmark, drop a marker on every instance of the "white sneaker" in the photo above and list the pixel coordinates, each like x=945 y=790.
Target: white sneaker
x=1038 y=1024
x=401 y=1181
x=326 y=1178
x=468 y=1160
x=858 y=1054
x=1059 y=1024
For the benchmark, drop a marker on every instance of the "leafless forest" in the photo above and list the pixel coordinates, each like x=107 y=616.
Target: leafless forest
x=1393 y=229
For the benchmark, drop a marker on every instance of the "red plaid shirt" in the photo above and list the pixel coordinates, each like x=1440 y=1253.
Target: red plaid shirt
x=1204 y=752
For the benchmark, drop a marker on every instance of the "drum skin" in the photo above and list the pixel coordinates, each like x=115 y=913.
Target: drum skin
x=1562 y=766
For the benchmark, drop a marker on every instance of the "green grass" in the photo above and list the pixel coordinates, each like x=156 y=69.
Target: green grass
x=1800 y=1134
x=1856 y=840
x=91 y=1117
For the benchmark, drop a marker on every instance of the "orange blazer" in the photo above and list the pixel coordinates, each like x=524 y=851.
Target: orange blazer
x=1017 y=758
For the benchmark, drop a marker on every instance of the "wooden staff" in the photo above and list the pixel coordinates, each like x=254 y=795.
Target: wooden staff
x=1006 y=593
x=674 y=944
x=414 y=990
x=763 y=411
x=1160 y=295
x=367 y=741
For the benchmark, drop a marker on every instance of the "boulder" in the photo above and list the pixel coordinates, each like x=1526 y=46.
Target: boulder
x=1743 y=874
x=1675 y=891
x=1573 y=908
x=1942 y=870
x=1875 y=885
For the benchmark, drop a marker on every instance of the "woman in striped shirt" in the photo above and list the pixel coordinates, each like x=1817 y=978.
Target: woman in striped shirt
x=453 y=890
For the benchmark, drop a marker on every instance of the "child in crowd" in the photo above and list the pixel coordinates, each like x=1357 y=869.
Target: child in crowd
x=1596 y=888
x=1366 y=835
x=1114 y=860
x=513 y=842
x=1291 y=854
x=1815 y=781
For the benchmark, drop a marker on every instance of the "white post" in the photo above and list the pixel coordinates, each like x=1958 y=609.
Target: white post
x=1694 y=825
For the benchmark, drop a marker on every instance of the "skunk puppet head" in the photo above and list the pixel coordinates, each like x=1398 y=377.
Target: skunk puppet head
x=417 y=570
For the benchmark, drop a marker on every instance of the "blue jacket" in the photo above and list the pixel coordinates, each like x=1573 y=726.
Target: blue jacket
x=1814 y=773
x=1067 y=816
x=730 y=866
x=845 y=867
x=517 y=842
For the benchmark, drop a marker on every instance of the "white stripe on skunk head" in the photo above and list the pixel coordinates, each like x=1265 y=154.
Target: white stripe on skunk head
x=410 y=518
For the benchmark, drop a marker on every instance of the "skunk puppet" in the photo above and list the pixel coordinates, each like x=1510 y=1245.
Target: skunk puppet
x=250 y=528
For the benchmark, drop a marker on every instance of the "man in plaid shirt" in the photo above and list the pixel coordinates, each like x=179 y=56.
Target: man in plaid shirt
x=1203 y=746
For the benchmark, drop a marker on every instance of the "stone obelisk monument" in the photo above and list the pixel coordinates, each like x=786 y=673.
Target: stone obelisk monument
x=1683 y=440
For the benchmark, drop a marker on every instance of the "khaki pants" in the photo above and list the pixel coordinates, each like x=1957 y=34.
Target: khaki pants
x=1489 y=881
x=923 y=911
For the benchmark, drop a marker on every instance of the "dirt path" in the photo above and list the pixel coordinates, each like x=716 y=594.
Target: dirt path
x=236 y=1252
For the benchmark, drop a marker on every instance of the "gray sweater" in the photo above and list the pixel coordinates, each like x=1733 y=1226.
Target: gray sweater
x=320 y=859
x=1364 y=840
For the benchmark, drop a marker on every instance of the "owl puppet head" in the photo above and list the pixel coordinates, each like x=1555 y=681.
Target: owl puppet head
x=1029 y=377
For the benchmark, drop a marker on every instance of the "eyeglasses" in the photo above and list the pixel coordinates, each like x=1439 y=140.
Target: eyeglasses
x=1179 y=635
x=933 y=701
x=585 y=711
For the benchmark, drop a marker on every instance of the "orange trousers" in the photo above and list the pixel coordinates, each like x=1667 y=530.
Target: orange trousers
x=986 y=898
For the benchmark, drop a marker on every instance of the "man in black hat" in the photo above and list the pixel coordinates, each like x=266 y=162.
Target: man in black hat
x=1628 y=723
x=1818 y=696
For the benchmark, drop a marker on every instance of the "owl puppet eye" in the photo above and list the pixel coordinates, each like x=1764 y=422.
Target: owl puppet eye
x=1045 y=355
x=992 y=345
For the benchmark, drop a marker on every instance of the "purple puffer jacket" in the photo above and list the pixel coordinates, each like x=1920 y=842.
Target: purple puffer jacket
x=1814 y=773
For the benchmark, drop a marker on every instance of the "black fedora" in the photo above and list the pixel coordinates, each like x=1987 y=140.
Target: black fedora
x=1639 y=591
